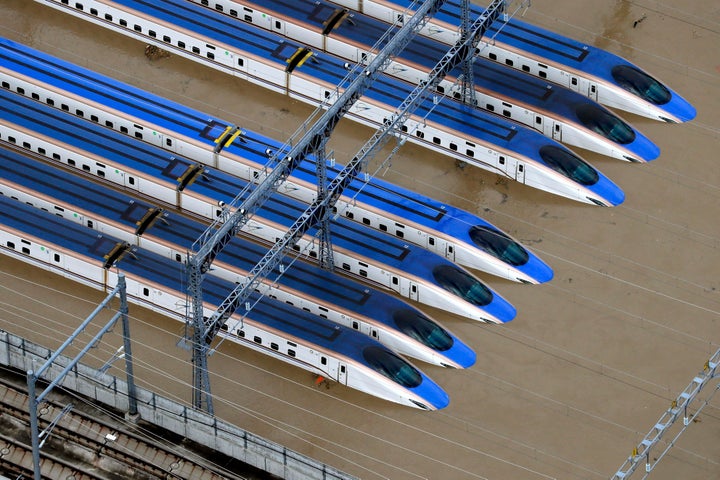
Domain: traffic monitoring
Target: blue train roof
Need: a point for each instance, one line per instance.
(481, 126)
(222, 187)
(241, 253)
(560, 49)
(412, 207)
(170, 274)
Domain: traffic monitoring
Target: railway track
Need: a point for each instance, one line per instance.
(84, 447)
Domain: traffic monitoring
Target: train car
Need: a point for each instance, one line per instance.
(462, 132)
(386, 318)
(591, 71)
(558, 113)
(454, 233)
(365, 254)
(271, 327)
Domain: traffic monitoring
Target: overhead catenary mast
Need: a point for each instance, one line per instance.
(247, 202)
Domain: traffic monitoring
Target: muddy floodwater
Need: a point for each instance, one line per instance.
(593, 359)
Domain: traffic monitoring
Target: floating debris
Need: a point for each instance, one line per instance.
(154, 53)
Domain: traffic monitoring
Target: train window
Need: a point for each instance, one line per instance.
(131, 180)
(507, 113)
(64, 107)
(195, 50)
(323, 360)
(346, 266)
(146, 291)
(64, 2)
(138, 135)
(11, 245)
(453, 147)
(501, 160)
(41, 151)
(296, 248)
(152, 33)
(420, 134)
(363, 273)
(86, 168)
(431, 241)
(12, 139)
(168, 142)
(123, 23)
(492, 56)
(79, 6)
(470, 153)
(26, 145)
(342, 368)
(574, 81)
(137, 28)
(350, 215)
(525, 68)
(274, 346)
(291, 352)
(456, 95)
(278, 24)
(109, 124)
(395, 280)
(93, 11)
(79, 113)
(366, 221)
(204, 3)
(101, 173)
(440, 89)
(538, 119)
(257, 339)
(404, 128)
(178, 257)
(374, 333)
(450, 249)
(90, 224)
(50, 102)
(241, 333)
(241, 62)
(219, 7)
(436, 140)
(166, 38)
(56, 257)
(233, 13)
(211, 55)
(355, 325)
(108, 17)
(248, 18)
(56, 156)
(509, 62)
(5, 85)
(181, 44)
(383, 227)
(490, 108)
(521, 168)
(542, 74)
(94, 118)
(26, 250)
(35, 96)
(399, 233)
(70, 161)
(123, 129)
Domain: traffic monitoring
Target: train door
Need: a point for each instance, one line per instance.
(168, 143)
(342, 373)
(593, 91)
(520, 172)
(414, 294)
(539, 123)
(450, 252)
(557, 132)
(278, 26)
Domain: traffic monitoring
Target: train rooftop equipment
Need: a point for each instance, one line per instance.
(367, 254)
(272, 327)
(558, 113)
(591, 71)
(462, 132)
(449, 231)
(386, 318)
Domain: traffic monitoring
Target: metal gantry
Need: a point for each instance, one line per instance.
(283, 162)
(641, 453)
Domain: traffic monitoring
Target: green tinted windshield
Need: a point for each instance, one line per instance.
(462, 284)
(415, 325)
(499, 245)
(601, 121)
(392, 366)
(567, 163)
(641, 84)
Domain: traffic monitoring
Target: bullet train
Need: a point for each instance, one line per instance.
(367, 255)
(456, 234)
(591, 71)
(462, 132)
(557, 113)
(387, 319)
(271, 327)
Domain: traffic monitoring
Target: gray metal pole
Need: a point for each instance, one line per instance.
(34, 434)
(132, 395)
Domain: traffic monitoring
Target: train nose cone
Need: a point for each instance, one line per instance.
(501, 309)
(644, 149)
(434, 397)
(606, 193)
(681, 109)
(538, 270)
